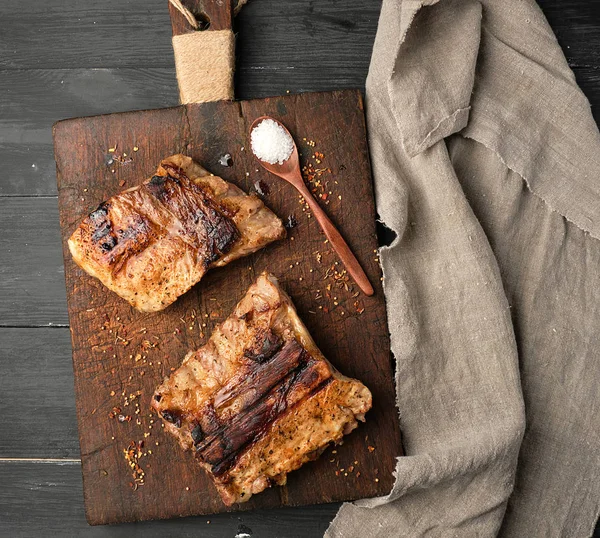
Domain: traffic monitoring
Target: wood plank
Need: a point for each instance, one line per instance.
(40, 499)
(104, 366)
(129, 34)
(39, 401)
(33, 100)
(32, 289)
(72, 34)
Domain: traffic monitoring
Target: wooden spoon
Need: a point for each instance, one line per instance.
(290, 171)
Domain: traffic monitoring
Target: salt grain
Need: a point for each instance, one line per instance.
(271, 142)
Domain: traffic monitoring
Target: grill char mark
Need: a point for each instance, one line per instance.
(259, 379)
(117, 246)
(220, 449)
(220, 468)
(203, 221)
(265, 393)
(102, 228)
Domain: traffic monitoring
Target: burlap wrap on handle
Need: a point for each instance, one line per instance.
(204, 62)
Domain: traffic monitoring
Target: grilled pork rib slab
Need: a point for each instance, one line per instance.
(152, 243)
(259, 399)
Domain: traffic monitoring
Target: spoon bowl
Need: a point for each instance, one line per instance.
(289, 170)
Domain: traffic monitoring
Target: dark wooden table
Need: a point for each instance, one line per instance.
(65, 58)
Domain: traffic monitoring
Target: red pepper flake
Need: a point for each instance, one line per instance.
(121, 183)
(371, 448)
(133, 453)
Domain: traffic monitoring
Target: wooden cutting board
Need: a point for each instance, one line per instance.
(121, 355)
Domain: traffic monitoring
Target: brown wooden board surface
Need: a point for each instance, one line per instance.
(108, 335)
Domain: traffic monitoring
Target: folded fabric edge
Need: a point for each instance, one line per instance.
(539, 124)
(431, 104)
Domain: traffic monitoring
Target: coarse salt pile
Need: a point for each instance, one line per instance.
(271, 143)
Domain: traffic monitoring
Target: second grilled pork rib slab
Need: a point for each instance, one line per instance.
(259, 399)
(152, 243)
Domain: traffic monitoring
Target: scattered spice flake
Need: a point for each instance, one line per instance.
(135, 148)
(359, 307)
(357, 474)
(146, 345)
(133, 453)
(371, 448)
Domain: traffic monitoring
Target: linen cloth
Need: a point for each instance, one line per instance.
(486, 162)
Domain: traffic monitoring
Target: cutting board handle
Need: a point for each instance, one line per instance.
(210, 15)
(204, 48)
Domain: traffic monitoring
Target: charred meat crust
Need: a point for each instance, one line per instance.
(264, 393)
(260, 376)
(203, 221)
(117, 245)
(251, 427)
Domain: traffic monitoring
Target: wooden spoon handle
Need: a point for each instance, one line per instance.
(338, 243)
